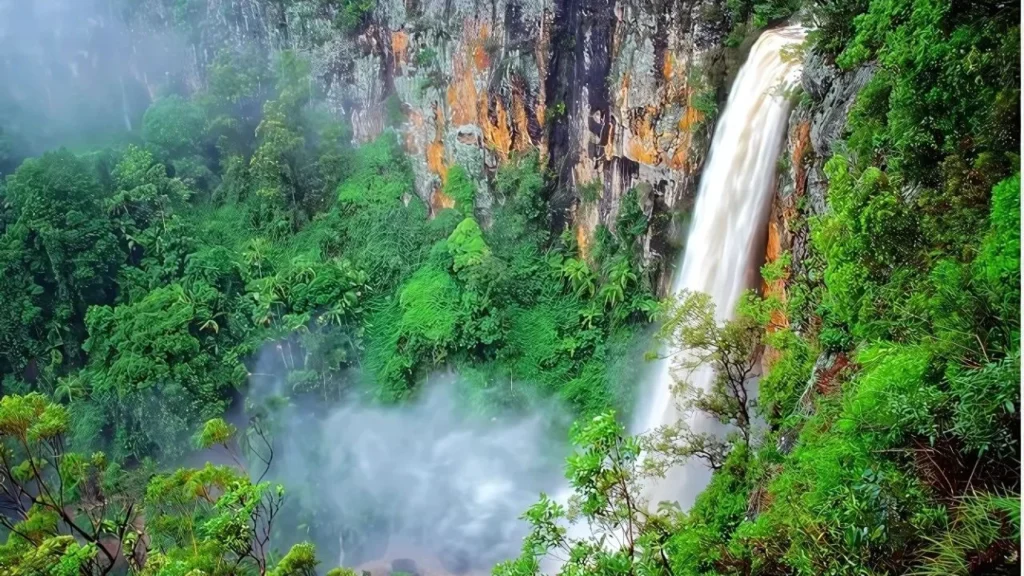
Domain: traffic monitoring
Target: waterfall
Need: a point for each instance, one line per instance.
(124, 107)
(733, 200)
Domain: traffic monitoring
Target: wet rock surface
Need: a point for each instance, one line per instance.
(833, 93)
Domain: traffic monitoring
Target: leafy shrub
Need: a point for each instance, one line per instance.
(631, 222)
(426, 57)
(429, 303)
(466, 245)
(353, 14)
(174, 127)
(460, 188)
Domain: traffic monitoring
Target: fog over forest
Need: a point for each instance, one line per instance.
(73, 72)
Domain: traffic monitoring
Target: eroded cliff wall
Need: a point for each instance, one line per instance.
(614, 94)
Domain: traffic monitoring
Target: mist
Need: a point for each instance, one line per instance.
(77, 72)
(424, 487)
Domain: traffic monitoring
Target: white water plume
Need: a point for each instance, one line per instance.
(425, 488)
(733, 200)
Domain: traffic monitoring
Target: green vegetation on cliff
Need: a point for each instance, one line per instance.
(241, 236)
(147, 286)
(893, 403)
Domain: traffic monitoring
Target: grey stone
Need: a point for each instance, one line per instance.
(830, 116)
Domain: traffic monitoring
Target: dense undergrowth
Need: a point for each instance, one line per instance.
(910, 459)
(145, 280)
(240, 237)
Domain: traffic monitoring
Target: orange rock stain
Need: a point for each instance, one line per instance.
(400, 48)
(521, 132)
(642, 144)
(497, 135)
(775, 288)
(691, 117)
(583, 241)
(439, 201)
(462, 95)
(435, 150)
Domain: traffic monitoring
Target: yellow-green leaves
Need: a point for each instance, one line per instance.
(215, 432)
(299, 561)
(466, 245)
(31, 417)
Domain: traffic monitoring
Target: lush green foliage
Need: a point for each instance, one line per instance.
(893, 400)
(761, 12)
(59, 254)
(68, 513)
(746, 16)
(242, 238)
(497, 297)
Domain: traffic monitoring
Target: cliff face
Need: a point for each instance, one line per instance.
(815, 125)
(609, 92)
(637, 86)
(614, 94)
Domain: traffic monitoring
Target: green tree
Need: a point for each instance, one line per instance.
(175, 130)
(607, 527)
(155, 369)
(460, 188)
(274, 169)
(581, 278)
(66, 512)
(60, 252)
(174, 127)
(143, 194)
(238, 82)
(730, 351)
(351, 15)
(466, 245)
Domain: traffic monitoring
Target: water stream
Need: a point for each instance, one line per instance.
(728, 223)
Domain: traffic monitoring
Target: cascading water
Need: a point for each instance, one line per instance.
(731, 210)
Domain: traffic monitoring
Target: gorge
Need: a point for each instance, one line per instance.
(300, 287)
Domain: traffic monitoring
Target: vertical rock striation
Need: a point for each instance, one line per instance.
(616, 92)
(640, 88)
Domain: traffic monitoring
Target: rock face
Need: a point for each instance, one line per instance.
(833, 94)
(610, 92)
(815, 125)
(636, 88)
(614, 94)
